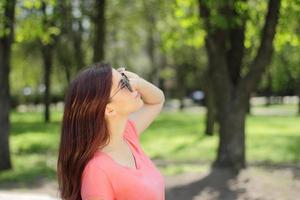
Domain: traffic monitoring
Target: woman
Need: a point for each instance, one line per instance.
(100, 157)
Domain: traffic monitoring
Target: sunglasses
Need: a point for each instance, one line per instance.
(124, 82)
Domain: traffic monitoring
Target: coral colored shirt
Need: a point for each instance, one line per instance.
(105, 179)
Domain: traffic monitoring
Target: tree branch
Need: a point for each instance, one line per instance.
(265, 51)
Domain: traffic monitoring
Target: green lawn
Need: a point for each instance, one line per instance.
(172, 136)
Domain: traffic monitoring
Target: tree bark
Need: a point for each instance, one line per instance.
(98, 20)
(231, 149)
(6, 40)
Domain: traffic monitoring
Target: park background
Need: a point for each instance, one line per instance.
(230, 125)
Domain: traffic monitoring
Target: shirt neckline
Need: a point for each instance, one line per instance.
(137, 165)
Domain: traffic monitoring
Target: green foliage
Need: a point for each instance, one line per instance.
(183, 27)
(4, 23)
(288, 32)
(31, 21)
(285, 70)
(177, 31)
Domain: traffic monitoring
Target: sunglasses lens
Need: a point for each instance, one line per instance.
(126, 82)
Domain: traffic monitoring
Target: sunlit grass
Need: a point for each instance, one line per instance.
(176, 136)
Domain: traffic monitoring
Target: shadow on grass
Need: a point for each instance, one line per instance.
(27, 178)
(216, 184)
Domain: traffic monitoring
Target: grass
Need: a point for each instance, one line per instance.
(172, 136)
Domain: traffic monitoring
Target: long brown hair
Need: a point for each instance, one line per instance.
(84, 128)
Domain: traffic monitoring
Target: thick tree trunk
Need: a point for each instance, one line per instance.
(98, 20)
(231, 149)
(5, 162)
(6, 40)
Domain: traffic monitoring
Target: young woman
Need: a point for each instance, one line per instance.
(100, 157)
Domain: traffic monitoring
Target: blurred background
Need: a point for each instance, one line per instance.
(230, 72)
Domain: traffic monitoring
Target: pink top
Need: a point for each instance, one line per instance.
(105, 179)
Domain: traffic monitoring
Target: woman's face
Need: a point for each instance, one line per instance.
(123, 102)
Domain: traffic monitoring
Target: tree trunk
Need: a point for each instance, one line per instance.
(98, 20)
(181, 89)
(298, 94)
(269, 89)
(154, 74)
(299, 104)
(77, 42)
(47, 51)
(231, 149)
(248, 109)
(47, 55)
(6, 40)
(210, 110)
(151, 42)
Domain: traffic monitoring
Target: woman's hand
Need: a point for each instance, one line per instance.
(134, 79)
(127, 73)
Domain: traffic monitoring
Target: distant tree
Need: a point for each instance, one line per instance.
(48, 41)
(7, 20)
(99, 29)
(69, 48)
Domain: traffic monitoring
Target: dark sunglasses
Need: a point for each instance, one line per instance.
(124, 82)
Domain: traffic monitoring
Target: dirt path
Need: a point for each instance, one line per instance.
(254, 183)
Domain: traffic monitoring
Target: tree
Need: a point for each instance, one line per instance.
(225, 25)
(181, 41)
(47, 50)
(69, 51)
(37, 28)
(286, 70)
(98, 20)
(7, 7)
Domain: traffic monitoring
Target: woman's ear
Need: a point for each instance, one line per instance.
(109, 110)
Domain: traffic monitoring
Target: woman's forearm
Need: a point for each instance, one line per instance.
(149, 92)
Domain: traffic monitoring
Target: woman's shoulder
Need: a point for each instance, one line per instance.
(99, 161)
